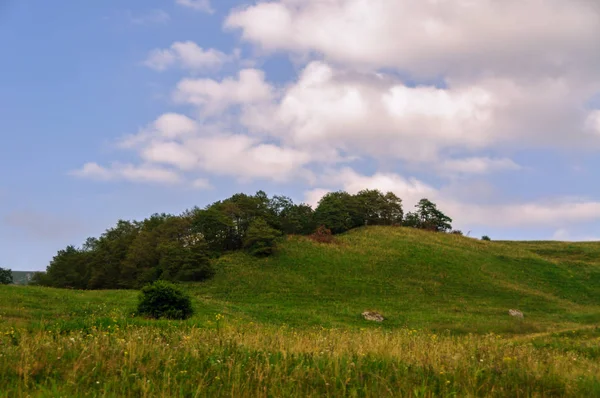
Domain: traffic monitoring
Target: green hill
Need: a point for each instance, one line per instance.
(417, 279)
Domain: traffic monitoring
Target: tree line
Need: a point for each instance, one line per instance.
(180, 247)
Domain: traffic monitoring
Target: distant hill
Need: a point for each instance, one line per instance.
(22, 277)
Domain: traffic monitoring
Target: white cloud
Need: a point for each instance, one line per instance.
(188, 55)
(167, 126)
(375, 114)
(128, 172)
(238, 156)
(178, 141)
(214, 96)
(199, 5)
(431, 37)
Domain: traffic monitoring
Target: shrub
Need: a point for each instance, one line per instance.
(486, 238)
(457, 232)
(163, 299)
(6, 276)
(322, 235)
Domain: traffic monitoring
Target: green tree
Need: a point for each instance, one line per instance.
(392, 212)
(6, 276)
(260, 239)
(290, 218)
(375, 208)
(336, 211)
(70, 268)
(427, 216)
(109, 254)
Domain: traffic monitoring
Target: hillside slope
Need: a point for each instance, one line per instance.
(416, 279)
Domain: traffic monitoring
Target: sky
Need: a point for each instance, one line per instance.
(117, 110)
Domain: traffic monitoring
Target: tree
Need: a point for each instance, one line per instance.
(336, 211)
(6, 276)
(70, 268)
(375, 208)
(110, 253)
(261, 238)
(291, 219)
(427, 216)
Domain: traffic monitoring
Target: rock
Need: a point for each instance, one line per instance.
(515, 313)
(373, 316)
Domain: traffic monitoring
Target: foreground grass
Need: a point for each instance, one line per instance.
(290, 325)
(254, 360)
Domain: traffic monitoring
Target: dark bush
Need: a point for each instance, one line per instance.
(486, 238)
(322, 235)
(163, 299)
(457, 232)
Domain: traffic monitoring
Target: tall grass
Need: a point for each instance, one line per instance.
(255, 360)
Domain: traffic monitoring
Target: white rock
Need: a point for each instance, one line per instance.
(373, 316)
(515, 313)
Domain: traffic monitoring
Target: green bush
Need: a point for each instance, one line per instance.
(163, 299)
(486, 238)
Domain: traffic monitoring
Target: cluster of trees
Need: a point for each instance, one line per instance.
(180, 248)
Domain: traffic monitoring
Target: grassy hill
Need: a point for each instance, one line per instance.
(294, 320)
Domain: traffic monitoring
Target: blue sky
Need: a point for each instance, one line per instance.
(118, 109)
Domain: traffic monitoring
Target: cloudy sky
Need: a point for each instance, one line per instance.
(118, 109)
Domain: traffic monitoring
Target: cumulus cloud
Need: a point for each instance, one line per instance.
(198, 5)
(378, 115)
(187, 55)
(428, 37)
(167, 126)
(213, 96)
(237, 156)
(181, 143)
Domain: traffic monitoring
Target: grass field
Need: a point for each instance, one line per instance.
(290, 325)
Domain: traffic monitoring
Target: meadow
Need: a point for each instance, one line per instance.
(290, 325)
